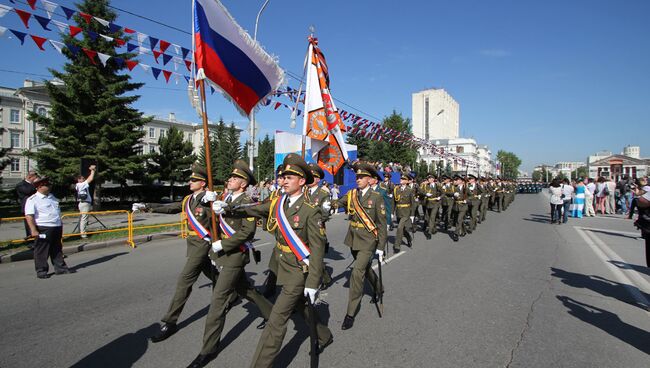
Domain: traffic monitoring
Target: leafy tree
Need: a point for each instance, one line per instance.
(4, 161)
(265, 160)
(448, 168)
(91, 115)
(386, 152)
(174, 160)
(363, 145)
(422, 169)
(433, 168)
(580, 172)
(542, 175)
(509, 164)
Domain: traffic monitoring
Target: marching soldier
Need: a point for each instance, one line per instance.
(404, 200)
(388, 198)
(498, 194)
(388, 186)
(473, 200)
(198, 218)
(271, 278)
(447, 200)
(300, 238)
(432, 196)
(231, 254)
(416, 196)
(366, 237)
(485, 198)
(460, 206)
(320, 198)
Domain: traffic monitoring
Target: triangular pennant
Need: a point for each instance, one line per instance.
(4, 9)
(74, 49)
(188, 64)
(131, 64)
(156, 55)
(155, 72)
(107, 38)
(119, 61)
(20, 35)
(103, 58)
(68, 12)
(87, 17)
(212, 90)
(63, 27)
(185, 52)
(91, 55)
(32, 4)
(129, 30)
(145, 67)
(44, 22)
(113, 28)
(130, 47)
(177, 49)
(164, 45)
(142, 37)
(120, 42)
(50, 7)
(2, 30)
(167, 74)
(24, 16)
(93, 35)
(187, 78)
(39, 41)
(176, 61)
(74, 30)
(143, 50)
(166, 58)
(153, 42)
(57, 45)
(103, 22)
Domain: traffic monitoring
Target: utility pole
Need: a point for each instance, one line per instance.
(251, 148)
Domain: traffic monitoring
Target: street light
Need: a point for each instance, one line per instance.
(251, 147)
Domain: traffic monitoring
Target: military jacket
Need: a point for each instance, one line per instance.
(473, 193)
(388, 187)
(461, 194)
(404, 200)
(233, 253)
(358, 237)
(197, 247)
(448, 191)
(432, 194)
(305, 219)
(317, 199)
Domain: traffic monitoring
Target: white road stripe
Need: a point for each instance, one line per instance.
(603, 252)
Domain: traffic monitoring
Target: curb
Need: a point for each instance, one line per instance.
(71, 249)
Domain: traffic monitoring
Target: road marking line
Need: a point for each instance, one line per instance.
(600, 249)
(389, 259)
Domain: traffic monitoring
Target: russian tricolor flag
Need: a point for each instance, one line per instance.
(229, 58)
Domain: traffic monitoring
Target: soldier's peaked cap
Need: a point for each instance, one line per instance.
(456, 177)
(199, 172)
(240, 169)
(364, 169)
(316, 171)
(296, 165)
(41, 181)
(430, 176)
(471, 176)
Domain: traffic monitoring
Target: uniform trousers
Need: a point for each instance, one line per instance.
(191, 271)
(473, 212)
(461, 211)
(447, 209)
(432, 211)
(230, 280)
(403, 223)
(484, 207)
(48, 244)
(361, 268)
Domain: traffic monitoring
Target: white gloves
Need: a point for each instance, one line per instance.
(214, 263)
(429, 194)
(380, 255)
(306, 260)
(456, 194)
(387, 228)
(412, 218)
(216, 246)
(311, 294)
(218, 206)
(209, 197)
(327, 205)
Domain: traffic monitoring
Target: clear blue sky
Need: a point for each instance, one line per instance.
(549, 80)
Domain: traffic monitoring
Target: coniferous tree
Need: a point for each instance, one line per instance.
(216, 136)
(265, 160)
(174, 160)
(399, 153)
(4, 161)
(91, 115)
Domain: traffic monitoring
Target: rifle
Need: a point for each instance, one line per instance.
(313, 335)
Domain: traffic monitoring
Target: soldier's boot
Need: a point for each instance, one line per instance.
(409, 242)
(348, 322)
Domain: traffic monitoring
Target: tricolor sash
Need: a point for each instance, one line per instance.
(192, 221)
(297, 246)
(228, 231)
(361, 212)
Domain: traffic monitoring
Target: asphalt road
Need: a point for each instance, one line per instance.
(519, 292)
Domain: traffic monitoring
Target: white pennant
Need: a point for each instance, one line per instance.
(145, 67)
(177, 49)
(177, 61)
(57, 45)
(2, 30)
(4, 9)
(49, 7)
(177, 78)
(61, 26)
(102, 21)
(109, 39)
(144, 50)
(103, 58)
(142, 37)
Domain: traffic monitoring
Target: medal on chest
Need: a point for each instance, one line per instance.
(296, 221)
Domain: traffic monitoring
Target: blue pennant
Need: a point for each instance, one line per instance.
(187, 78)
(166, 58)
(114, 27)
(43, 21)
(119, 61)
(211, 90)
(68, 12)
(130, 47)
(93, 35)
(155, 71)
(152, 42)
(20, 35)
(74, 49)
(185, 52)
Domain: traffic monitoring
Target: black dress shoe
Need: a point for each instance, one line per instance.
(427, 235)
(328, 343)
(348, 322)
(454, 237)
(202, 360)
(166, 330)
(65, 271)
(409, 243)
(262, 324)
(43, 276)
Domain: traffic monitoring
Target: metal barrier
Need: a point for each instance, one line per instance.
(128, 228)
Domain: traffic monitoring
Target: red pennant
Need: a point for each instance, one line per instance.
(74, 31)
(277, 104)
(188, 64)
(131, 64)
(91, 55)
(32, 4)
(164, 45)
(120, 42)
(128, 30)
(39, 41)
(156, 55)
(167, 74)
(24, 16)
(86, 17)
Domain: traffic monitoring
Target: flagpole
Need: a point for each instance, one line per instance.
(306, 113)
(208, 157)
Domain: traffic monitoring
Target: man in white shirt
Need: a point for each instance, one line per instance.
(567, 192)
(590, 191)
(85, 199)
(610, 201)
(44, 219)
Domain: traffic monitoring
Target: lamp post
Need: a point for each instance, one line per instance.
(251, 147)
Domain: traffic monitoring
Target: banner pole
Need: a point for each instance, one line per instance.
(208, 157)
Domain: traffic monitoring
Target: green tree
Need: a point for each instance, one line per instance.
(542, 175)
(363, 145)
(217, 135)
(92, 115)
(265, 160)
(422, 169)
(386, 152)
(224, 150)
(174, 161)
(433, 168)
(4, 161)
(448, 168)
(509, 164)
(580, 172)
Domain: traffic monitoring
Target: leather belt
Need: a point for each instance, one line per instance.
(403, 205)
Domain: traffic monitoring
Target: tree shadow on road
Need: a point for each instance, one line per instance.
(613, 233)
(97, 261)
(629, 266)
(608, 322)
(600, 285)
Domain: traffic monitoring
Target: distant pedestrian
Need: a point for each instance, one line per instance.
(44, 218)
(85, 199)
(578, 200)
(643, 222)
(567, 194)
(601, 195)
(24, 190)
(556, 201)
(590, 190)
(610, 201)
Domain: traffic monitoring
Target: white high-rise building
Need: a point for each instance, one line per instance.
(435, 115)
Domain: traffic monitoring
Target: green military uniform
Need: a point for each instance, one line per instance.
(473, 201)
(293, 274)
(485, 199)
(460, 207)
(320, 198)
(404, 200)
(231, 259)
(447, 202)
(271, 279)
(498, 195)
(365, 235)
(416, 197)
(432, 198)
(388, 187)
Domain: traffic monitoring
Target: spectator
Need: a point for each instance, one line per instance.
(640, 183)
(556, 201)
(578, 200)
(24, 190)
(567, 193)
(335, 196)
(85, 199)
(265, 192)
(610, 201)
(590, 191)
(623, 188)
(643, 222)
(601, 195)
(44, 219)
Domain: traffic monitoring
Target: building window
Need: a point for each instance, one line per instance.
(41, 111)
(15, 140)
(39, 137)
(152, 149)
(162, 133)
(137, 150)
(152, 133)
(14, 116)
(190, 137)
(460, 149)
(15, 164)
